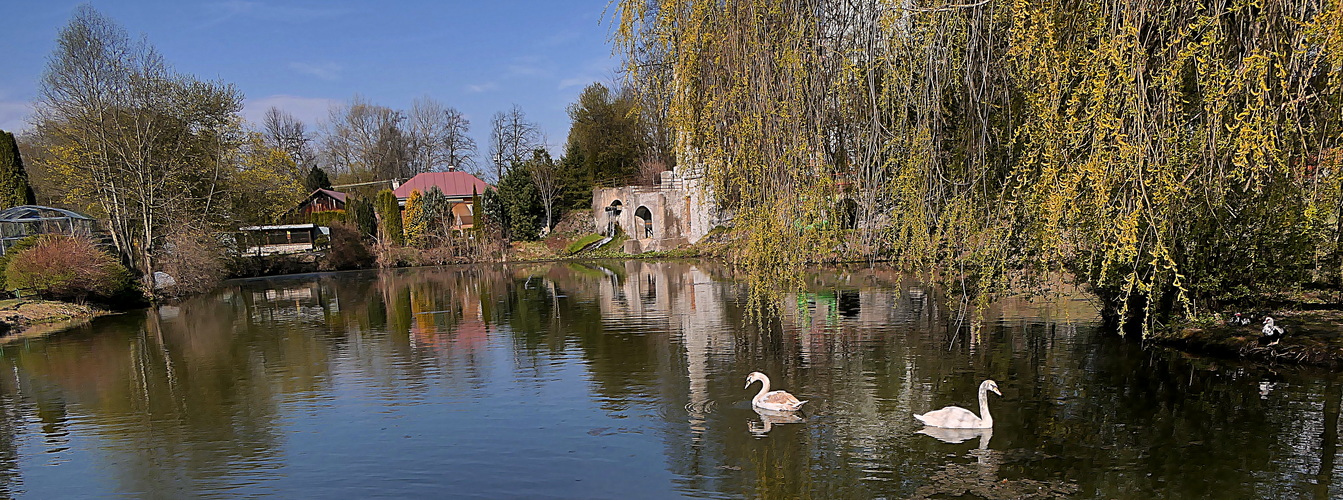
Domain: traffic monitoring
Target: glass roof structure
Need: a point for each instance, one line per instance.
(17, 223)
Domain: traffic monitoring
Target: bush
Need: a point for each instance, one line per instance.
(328, 217)
(347, 250)
(195, 260)
(18, 248)
(66, 268)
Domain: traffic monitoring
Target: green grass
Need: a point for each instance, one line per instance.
(578, 244)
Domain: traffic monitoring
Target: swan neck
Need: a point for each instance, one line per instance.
(984, 406)
(764, 387)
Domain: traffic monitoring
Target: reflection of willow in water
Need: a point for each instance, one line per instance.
(184, 399)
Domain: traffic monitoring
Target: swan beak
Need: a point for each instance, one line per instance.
(995, 390)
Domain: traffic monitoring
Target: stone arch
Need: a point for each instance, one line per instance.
(646, 217)
(613, 217)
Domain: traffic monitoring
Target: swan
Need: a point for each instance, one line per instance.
(1272, 333)
(955, 417)
(767, 400)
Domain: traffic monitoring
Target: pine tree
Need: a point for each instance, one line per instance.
(317, 179)
(14, 188)
(390, 214)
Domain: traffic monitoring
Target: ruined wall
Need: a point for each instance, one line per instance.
(680, 210)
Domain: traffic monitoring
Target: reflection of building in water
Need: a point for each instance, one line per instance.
(679, 298)
(305, 301)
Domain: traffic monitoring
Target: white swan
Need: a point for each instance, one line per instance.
(955, 417)
(767, 400)
(1272, 333)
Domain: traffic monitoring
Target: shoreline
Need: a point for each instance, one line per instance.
(1312, 338)
(25, 318)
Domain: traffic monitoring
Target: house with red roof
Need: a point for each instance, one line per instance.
(322, 200)
(458, 186)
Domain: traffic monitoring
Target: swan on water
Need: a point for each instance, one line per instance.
(1272, 333)
(771, 400)
(955, 417)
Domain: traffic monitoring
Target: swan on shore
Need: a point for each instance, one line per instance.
(771, 400)
(955, 417)
(1272, 333)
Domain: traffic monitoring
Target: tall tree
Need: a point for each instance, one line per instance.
(1169, 153)
(363, 138)
(607, 136)
(546, 181)
(438, 137)
(316, 179)
(458, 146)
(520, 204)
(389, 216)
(512, 138)
(14, 188)
(286, 133)
(135, 143)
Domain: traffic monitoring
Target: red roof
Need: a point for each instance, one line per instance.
(453, 184)
(334, 194)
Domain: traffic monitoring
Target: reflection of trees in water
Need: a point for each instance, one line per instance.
(182, 397)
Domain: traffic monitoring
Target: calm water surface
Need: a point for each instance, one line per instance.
(624, 380)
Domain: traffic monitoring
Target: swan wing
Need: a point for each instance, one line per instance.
(778, 400)
(952, 417)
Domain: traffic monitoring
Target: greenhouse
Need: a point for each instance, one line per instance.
(17, 223)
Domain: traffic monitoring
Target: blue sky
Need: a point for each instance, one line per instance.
(303, 56)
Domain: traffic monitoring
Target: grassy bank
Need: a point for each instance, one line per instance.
(1312, 338)
(21, 317)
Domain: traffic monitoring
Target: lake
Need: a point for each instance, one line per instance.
(625, 380)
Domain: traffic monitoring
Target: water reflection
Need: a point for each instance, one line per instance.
(601, 379)
(770, 418)
(958, 436)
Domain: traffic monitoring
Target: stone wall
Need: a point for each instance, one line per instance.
(675, 213)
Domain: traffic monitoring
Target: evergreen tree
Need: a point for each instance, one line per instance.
(493, 215)
(14, 188)
(411, 217)
(390, 214)
(360, 213)
(317, 179)
(521, 203)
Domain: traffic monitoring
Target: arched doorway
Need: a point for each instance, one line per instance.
(646, 217)
(613, 217)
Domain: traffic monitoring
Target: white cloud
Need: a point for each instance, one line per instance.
(482, 87)
(309, 110)
(325, 71)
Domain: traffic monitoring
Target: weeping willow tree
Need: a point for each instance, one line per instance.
(1176, 156)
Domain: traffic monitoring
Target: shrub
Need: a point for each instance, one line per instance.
(195, 260)
(67, 268)
(328, 217)
(347, 250)
(16, 249)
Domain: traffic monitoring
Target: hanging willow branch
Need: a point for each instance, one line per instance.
(1167, 153)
